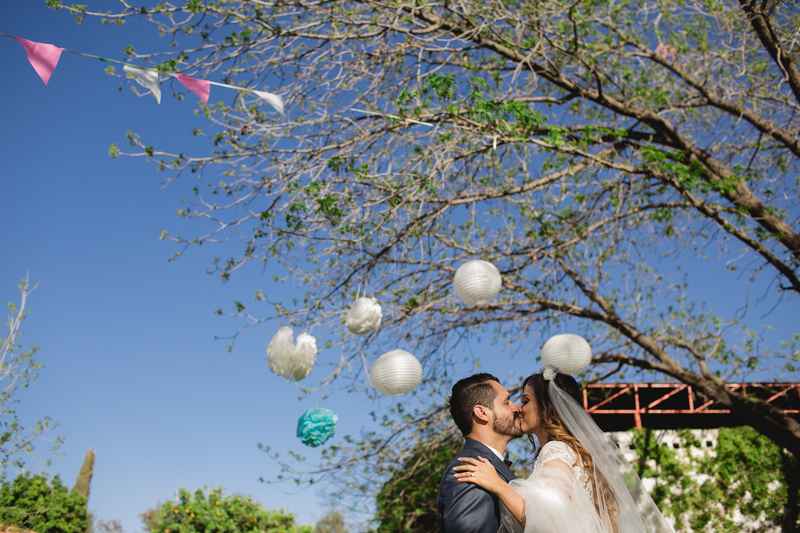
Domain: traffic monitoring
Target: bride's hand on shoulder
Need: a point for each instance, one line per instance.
(480, 472)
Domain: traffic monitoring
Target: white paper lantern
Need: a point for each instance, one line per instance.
(395, 373)
(477, 281)
(290, 361)
(570, 353)
(364, 316)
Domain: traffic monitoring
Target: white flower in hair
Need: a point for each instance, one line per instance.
(549, 372)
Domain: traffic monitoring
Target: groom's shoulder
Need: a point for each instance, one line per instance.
(450, 489)
(465, 507)
(472, 448)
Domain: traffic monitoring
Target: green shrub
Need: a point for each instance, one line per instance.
(31, 502)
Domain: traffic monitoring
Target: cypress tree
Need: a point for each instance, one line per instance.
(85, 475)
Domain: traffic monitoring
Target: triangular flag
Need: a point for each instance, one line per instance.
(43, 57)
(147, 78)
(201, 88)
(273, 99)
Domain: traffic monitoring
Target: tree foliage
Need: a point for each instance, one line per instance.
(406, 502)
(83, 483)
(332, 522)
(18, 370)
(746, 476)
(217, 512)
(36, 504)
(598, 153)
(107, 526)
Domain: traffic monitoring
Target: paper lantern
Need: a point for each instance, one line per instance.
(290, 361)
(395, 373)
(570, 353)
(477, 281)
(364, 316)
(316, 426)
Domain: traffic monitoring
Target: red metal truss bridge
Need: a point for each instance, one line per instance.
(622, 406)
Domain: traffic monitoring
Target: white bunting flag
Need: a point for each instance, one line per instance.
(147, 78)
(272, 99)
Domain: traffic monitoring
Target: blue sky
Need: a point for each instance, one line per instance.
(132, 367)
(127, 338)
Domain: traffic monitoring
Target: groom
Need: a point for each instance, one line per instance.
(483, 411)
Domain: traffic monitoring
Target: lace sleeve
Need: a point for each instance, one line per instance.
(555, 501)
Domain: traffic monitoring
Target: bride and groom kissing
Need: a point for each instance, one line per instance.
(579, 481)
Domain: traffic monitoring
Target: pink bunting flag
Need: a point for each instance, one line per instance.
(201, 88)
(43, 57)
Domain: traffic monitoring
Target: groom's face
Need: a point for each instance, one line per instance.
(505, 413)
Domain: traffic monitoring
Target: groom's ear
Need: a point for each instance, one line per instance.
(481, 413)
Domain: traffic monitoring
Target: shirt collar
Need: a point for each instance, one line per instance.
(498, 454)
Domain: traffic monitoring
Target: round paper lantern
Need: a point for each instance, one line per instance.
(316, 426)
(290, 361)
(364, 316)
(395, 373)
(477, 281)
(570, 353)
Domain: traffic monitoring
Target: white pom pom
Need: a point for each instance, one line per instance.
(305, 355)
(279, 351)
(364, 316)
(477, 281)
(290, 361)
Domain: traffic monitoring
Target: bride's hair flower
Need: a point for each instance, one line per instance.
(549, 372)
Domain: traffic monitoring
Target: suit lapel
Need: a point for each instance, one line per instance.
(502, 469)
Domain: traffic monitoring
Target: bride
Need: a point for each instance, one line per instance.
(580, 481)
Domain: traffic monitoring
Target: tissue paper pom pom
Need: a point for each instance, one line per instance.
(477, 281)
(290, 361)
(316, 426)
(364, 316)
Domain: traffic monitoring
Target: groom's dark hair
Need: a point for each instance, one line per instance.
(467, 393)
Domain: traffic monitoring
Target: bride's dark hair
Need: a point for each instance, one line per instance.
(555, 429)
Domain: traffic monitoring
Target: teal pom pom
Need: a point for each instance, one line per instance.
(316, 426)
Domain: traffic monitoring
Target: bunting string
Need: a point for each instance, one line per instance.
(44, 58)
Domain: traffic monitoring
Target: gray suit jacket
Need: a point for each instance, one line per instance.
(465, 507)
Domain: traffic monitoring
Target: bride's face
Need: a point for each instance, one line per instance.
(528, 412)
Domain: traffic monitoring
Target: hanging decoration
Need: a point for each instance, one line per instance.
(364, 316)
(570, 353)
(477, 281)
(272, 99)
(201, 88)
(316, 426)
(147, 78)
(44, 57)
(396, 372)
(290, 361)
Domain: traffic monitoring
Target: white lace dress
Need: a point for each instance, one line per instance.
(558, 496)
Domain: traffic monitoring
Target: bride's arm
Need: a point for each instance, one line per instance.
(481, 472)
